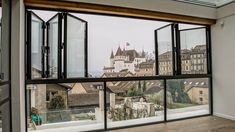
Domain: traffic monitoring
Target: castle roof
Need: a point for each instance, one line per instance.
(119, 52)
(112, 55)
(132, 54)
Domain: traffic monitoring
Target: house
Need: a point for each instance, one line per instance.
(145, 68)
(199, 94)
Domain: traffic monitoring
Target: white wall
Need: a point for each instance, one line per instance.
(168, 6)
(17, 66)
(223, 53)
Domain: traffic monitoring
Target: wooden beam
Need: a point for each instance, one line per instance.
(114, 10)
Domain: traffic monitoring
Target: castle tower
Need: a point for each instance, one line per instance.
(119, 52)
(111, 59)
(143, 54)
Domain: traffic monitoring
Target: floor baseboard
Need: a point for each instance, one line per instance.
(225, 116)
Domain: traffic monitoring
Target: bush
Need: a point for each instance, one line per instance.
(57, 103)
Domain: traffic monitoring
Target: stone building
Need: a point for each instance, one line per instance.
(197, 90)
(198, 94)
(185, 61)
(165, 63)
(192, 61)
(40, 96)
(198, 59)
(146, 68)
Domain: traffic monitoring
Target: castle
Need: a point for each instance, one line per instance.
(129, 61)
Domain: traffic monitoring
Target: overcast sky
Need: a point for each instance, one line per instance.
(106, 33)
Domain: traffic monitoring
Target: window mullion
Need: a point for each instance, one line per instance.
(86, 50)
(43, 51)
(28, 44)
(60, 46)
(156, 54)
(47, 51)
(178, 50)
(208, 53)
(173, 49)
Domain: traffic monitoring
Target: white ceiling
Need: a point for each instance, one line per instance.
(210, 3)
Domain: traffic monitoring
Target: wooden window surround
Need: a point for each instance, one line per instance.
(114, 10)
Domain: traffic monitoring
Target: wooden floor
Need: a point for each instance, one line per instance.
(202, 124)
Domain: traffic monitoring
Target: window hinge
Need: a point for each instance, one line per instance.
(47, 73)
(45, 49)
(48, 25)
(63, 75)
(1, 76)
(44, 25)
(62, 15)
(62, 45)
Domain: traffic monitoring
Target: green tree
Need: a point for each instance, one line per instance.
(139, 90)
(132, 91)
(144, 86)
(178, 94)
(57, 103)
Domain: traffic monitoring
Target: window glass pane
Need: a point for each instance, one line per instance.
(69, 107)
(189, 26)
(4, 109)
(134, 102)
(190, 97)
(5, 117)
(1, 120)
(1, 48)
(76, 36)
(4, 42)
(53, 44)
(4, 92)
(193, 51)
(36, 45)
(165, 56)
(120, 47)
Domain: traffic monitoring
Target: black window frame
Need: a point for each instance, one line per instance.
(208, 51)
(29, 15)
(62, 46)
(172, 25)
(49, 46)
(177, 73)
(66, 14)
(176, 49)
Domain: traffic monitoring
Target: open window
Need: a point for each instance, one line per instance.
(182, 49)
(193, 47)
(52, 49)
(165, 55)
(75, 47)
(35, 43)
(48, 44)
